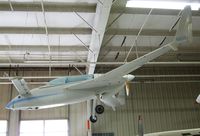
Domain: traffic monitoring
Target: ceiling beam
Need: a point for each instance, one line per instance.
(145, 32)
(43, 48)
(126, 48)
(100, 22)
(145, 11)
(68, 56)
(67, 59)
(82, 7)
(78, 48)
(86, 31)
(48, 7)
(66, 64)
(41, 30)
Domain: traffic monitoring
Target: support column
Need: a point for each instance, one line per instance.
(78, 119)
(14, 116)
(89, 129)
(13, 123)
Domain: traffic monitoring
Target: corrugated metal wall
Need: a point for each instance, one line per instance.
(78, 119)
(163, 106)
(5, 96)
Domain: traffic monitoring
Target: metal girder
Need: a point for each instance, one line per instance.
(81, 7)
(100, 22)
(48, 6)
(86, 31)
(145, 32)
(41, 30)
(77, 48)
(71, 58)
(143, 48)
(41, 48)
(168, 57)
(66, 64)
(146, 11)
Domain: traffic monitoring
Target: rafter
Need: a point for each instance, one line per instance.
(146, 11)
(54, 48)
(86, 31)
(48, 6)
(145, 32)
(100, 22)
(66, 64)
(41, 30)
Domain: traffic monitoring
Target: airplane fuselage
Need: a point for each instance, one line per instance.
(58, 95)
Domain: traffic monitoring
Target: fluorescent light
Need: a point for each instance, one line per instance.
(161, 4)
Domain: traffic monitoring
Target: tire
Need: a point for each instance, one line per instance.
(93, 120)
(99, 109)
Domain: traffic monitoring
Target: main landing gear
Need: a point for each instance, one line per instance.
(93, 119)
(99, 109)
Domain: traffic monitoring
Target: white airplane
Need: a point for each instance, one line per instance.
(108, 88)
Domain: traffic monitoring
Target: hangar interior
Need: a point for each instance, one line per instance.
(44, 39)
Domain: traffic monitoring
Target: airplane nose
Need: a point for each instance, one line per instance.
(10, 105)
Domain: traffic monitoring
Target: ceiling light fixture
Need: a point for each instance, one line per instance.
(161, 4)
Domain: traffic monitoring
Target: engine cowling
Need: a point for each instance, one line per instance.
(114, 99)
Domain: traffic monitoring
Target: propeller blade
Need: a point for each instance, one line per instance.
(127, 88)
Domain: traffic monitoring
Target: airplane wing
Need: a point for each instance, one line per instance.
(183, 35)
(21, 86)
(119, 72)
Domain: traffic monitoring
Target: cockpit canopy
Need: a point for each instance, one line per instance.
(70, 79)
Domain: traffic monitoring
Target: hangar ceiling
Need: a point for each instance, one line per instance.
(56, 33)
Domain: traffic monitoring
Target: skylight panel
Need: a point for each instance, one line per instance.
(162, 4)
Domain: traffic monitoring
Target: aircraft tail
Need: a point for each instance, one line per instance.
(21, 86)
(184, 31)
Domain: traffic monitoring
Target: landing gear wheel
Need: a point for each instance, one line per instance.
(99, 109)
(93, 119)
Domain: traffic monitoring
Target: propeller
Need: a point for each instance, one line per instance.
(128, 78)
(127, 85)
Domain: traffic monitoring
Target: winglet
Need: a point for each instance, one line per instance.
(184, 31)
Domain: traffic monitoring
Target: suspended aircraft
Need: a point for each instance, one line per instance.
(109, 88)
